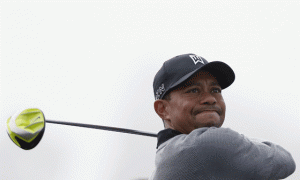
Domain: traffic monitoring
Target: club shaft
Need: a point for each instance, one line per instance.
(123, 130)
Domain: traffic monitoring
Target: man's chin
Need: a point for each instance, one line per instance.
(211, 125)
(216, 123)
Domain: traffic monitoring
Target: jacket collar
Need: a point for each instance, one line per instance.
(165, 135)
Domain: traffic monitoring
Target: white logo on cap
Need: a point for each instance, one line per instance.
(159, 91)
(196, 59)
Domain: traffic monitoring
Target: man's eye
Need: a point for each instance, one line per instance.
(216, 90)
(195, 90)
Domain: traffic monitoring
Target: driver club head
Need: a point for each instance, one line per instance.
(26, 128)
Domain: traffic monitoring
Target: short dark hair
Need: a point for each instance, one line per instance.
(167, 96)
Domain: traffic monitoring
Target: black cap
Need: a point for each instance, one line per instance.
(180, 68)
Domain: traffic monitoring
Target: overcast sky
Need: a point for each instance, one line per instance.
(94, 62)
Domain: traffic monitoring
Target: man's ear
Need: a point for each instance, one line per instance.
(160, 107)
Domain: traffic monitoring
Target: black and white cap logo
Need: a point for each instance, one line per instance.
(197, 59)
(159, 91)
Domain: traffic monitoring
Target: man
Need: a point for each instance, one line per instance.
(193, 145)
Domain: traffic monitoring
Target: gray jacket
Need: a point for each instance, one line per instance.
(218, 153)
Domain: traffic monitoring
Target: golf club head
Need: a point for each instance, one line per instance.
(26, 128)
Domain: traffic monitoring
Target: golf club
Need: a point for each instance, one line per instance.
(26, 128)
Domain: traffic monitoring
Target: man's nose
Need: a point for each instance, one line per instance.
(208, 99)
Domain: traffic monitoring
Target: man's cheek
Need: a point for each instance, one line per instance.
(223, 107)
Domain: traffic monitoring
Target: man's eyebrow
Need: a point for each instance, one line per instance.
(189, 84)
(214, 83)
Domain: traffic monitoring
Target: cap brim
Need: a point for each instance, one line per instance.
(220, 70)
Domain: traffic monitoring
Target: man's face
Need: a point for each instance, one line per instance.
(199, 103)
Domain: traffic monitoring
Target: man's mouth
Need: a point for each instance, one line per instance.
(208, 111)
(217, 110)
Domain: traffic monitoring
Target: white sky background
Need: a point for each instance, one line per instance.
(94, 62)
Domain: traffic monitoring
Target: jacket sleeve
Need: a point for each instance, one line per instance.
(259, 159)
